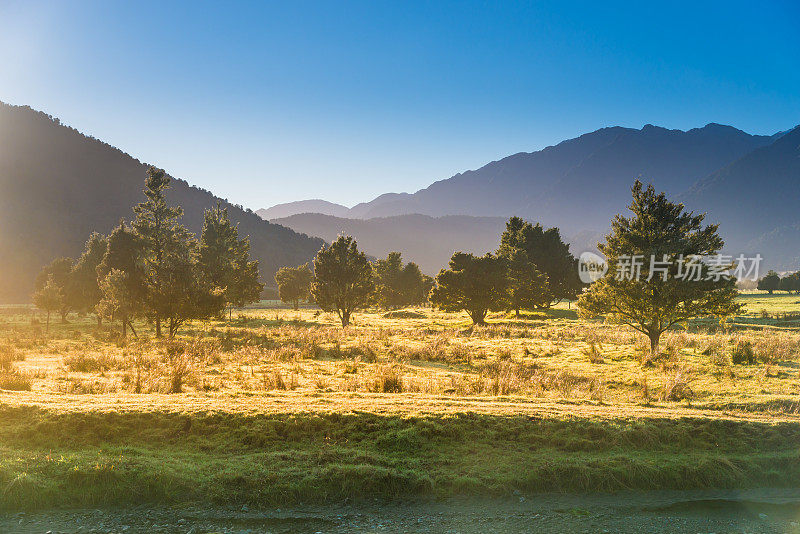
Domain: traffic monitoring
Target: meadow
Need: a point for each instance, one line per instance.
(277, 406)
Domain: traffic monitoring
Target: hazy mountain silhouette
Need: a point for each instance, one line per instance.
(303, 206)
(426, 240)
(58, 185)
(748, 183)
(578, 183)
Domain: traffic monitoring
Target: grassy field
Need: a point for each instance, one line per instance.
(282, 406)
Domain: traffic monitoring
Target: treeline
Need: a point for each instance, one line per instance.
(154, 268)
(775, 282)
(532, 269)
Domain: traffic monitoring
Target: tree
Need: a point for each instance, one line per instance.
(158, 227)
(85, 285)
(550, 255)
(771, 282)
(790, 283)
(59, 271)
(527, 286)
(388, 288)
(48, 297)
(342, 279)
(414, 285)
(294, 284)
(671, 285)
(117, 299)
(473, 284)
(224, 260)
(124, 295)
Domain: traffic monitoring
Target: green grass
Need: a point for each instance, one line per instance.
(94, 459)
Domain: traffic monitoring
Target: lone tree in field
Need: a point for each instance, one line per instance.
(655, 279)
(294, 284)
(548, 253)
(224, 260)
(48, 298)
(473, 284)
(771, 282)
(342, 279)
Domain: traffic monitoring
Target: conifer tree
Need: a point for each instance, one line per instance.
(224, 260)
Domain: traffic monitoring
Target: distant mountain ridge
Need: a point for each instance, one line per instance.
(58, 185)
(303, 206)
(580, 184)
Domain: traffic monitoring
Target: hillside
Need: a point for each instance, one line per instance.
(753, 199)
(58, 185)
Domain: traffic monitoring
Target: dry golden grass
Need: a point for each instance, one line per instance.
(545, 358)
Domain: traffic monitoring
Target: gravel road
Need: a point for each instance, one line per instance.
(768, 511)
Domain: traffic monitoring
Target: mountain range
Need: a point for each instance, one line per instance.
(580, 184)
(58, 185)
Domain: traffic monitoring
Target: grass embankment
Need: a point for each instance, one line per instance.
(90, 459)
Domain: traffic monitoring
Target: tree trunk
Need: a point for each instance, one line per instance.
(296, 304)
(130, 323)
(158, 326)
(345, 316)
(99, 321)
(516, 312)
(654, 337)
(64, 317)
(478, 317)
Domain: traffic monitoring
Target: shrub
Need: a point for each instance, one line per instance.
(14, 381)
(743, 354)
(8, 355)
(388, 379)
(678, 386)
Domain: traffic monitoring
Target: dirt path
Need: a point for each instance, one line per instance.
(767, 511)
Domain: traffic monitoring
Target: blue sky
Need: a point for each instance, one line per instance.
(271, 102)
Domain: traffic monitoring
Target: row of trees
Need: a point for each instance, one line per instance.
(155, 268)
(533, 268)
(775, 282)
(343, 274)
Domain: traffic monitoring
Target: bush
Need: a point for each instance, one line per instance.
(13, 381)
(388, 379)
(743, 354)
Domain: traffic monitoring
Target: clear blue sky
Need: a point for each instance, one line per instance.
(271, 102)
